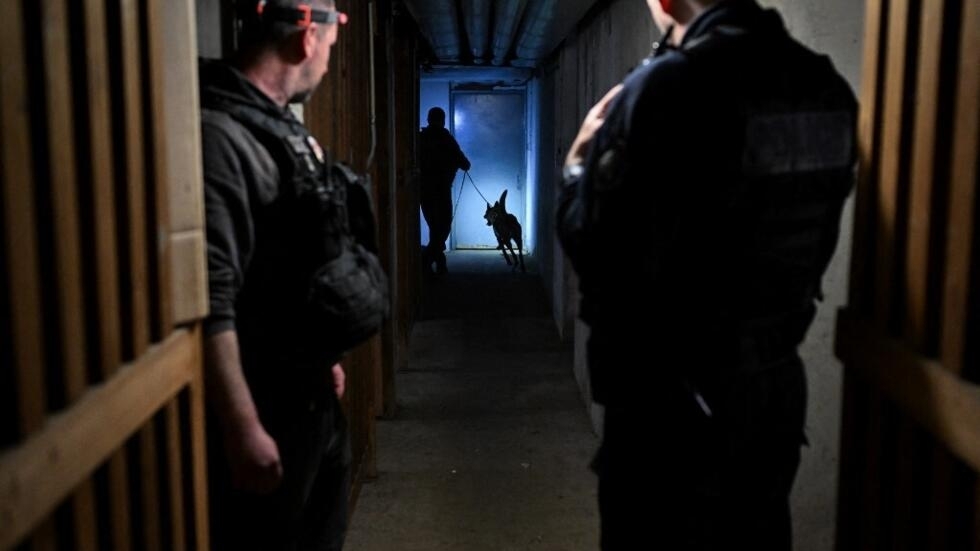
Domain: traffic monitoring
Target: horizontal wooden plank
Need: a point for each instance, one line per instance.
(36, 476)
(189, 276)
(943, 403)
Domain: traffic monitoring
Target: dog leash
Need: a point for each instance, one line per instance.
(462, 184)
(467, 175)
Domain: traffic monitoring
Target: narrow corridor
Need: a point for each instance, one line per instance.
(490, 445)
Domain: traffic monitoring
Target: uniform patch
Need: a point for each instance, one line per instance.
(798, 142)
(298, 145)
(317, 150)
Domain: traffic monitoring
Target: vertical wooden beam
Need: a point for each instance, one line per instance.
(198, 445)
(885, 214)
(17, 181)
(156, 42)
(45, 538)
(891, 158)
(920, 262)
(64, 194)
(17, 188)
(150, 487)
(976, 518)
(135, 174)
(963, 193)
(184, 183)
(920, 258)
(136, 205)
(175, 477)
(68, 257)
(962, 220)
(104, 220)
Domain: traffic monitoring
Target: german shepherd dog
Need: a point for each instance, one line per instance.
(506, 228)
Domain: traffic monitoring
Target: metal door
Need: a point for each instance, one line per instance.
(490, 128)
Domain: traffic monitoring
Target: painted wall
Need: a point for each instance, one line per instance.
(587, 65)
(594, 60)
(209, 28)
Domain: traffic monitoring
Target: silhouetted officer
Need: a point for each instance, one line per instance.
(439, 159)
(703, 198)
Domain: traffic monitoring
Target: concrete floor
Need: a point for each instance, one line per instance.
(490, 446)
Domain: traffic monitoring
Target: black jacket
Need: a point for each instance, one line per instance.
(710, 203)
(439, 159)
(262, 253)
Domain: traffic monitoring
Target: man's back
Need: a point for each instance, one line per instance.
(736, 152)
(439, 156)
(716, 178)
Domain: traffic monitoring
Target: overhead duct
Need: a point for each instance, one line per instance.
(536, 31)
(439, 23)
(545, 27)
(476, 19)
(506, 19)
(492, 26)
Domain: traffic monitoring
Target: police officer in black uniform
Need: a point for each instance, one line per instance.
(703, 197)
(279, 456)
(439, 158)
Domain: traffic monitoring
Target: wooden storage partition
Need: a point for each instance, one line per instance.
(911, 436)
(103, 286)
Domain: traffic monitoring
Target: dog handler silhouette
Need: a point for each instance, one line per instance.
(439, 159)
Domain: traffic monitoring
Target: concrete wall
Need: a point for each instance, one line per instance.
(596, 59)
(589, 64)
(209, 27)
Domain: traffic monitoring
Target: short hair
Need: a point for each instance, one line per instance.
(436, 114)
(256, 32)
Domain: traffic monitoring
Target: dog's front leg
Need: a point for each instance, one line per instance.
(502, 245)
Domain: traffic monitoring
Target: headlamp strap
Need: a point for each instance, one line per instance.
(301, 15)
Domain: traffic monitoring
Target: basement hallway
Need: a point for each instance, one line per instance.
(490, 444)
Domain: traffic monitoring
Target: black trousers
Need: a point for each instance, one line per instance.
(309, 511)
(709, 482)
(437, 209)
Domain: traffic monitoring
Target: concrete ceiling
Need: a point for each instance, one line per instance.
(518, 33)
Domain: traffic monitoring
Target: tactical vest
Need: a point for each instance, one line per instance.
(341, 288)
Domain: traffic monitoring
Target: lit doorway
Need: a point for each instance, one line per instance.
(491, 130)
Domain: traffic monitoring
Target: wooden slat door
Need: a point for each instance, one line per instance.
(102, 277)
(910, 336)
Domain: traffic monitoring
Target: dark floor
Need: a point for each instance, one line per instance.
(490, 446)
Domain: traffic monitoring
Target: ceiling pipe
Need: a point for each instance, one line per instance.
(476, 19)
(536, 32)
(439, 23)
(506, 18)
